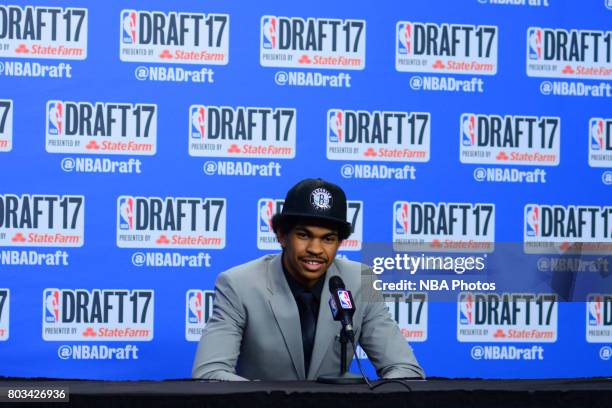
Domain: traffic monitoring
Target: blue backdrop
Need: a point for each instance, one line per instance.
(145, 145)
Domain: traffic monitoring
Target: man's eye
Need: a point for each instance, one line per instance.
(301, 234)
(331, 239)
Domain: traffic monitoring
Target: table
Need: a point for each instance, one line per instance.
(438, 393)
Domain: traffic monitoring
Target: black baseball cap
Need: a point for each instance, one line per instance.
(317, 199)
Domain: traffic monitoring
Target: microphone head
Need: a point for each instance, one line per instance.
(335, 283)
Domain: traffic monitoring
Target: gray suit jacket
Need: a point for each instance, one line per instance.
(254, 331)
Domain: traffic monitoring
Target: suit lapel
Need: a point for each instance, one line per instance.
(327, 328)
(286, 314)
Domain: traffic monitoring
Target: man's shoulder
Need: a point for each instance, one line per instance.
(248, 270)
(344, 264)
(350, 270)
(357, 277)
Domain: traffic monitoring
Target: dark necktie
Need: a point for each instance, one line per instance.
(308, 321)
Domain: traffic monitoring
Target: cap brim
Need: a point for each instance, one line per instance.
(343, 224)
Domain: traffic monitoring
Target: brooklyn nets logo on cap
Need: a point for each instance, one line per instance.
(321, 199)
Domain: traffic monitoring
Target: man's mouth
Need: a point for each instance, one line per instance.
(313, 264)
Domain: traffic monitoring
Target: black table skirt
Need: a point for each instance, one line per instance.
(438, 393)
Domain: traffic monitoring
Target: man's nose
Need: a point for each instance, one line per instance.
(314, 246)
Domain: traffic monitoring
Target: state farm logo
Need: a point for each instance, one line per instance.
(559, 229)
(43, 32)
(410, 312)
(511, 139)
(600, 142)
(42, 220)
(378, 136)
(223, 131)
(266, 238)
(198, 309)
(4, 314)
(174, 37)
(507, 318)
(97, 315)
(101, 128)
(294, 42)
(443, 226)
(446, 48)
(559, 53)
(171, 222)
(599, 318)
(6, 125)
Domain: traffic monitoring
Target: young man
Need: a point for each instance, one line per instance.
(271, 319)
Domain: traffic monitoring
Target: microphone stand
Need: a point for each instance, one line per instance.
(345, 377)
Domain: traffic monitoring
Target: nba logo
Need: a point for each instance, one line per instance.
(128, 27)
(55, 118)
(595, 306)
(404, 39)
(532, 221)
(198, 124)
(269, 37)
(345, 299)
(266, 210)
(194, 307)
(126, 213)
(466, 309)
(534, 43)
(468, 126)
(52, 306)
(401, 218)
(596, 129)
(335, 126)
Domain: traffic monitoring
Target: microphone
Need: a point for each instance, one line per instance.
(342, 305)
(342, 308)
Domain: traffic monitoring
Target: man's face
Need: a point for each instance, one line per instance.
(309, 251)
